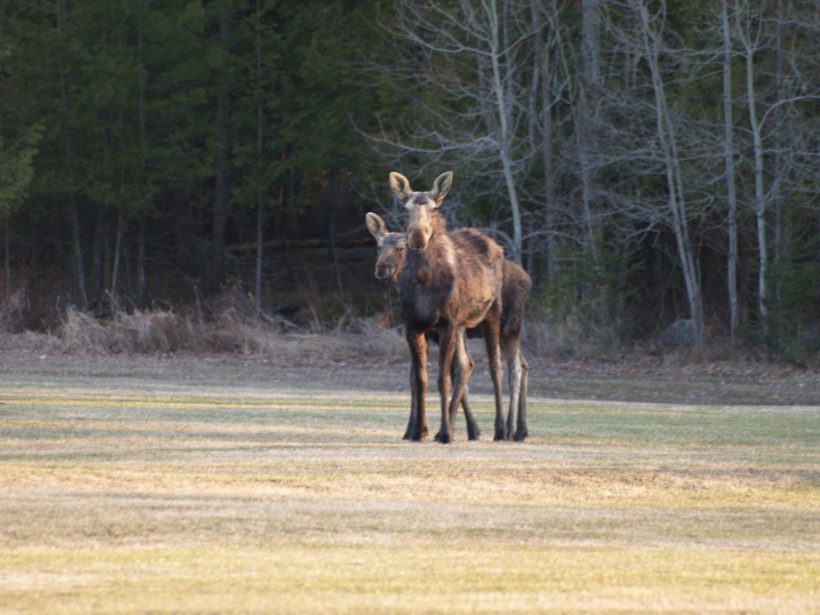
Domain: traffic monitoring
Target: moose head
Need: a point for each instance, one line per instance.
(390, 248)
(421, 207)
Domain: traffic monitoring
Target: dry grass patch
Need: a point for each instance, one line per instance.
(229, 325)
(296, 578)
(162, 495)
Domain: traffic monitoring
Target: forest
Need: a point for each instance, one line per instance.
(652, 164)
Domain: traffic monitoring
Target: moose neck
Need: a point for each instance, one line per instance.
(438, 227)
(437, 260)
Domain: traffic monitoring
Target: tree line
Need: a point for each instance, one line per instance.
(646, 161)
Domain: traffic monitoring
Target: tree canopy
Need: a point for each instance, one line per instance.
(646, 161)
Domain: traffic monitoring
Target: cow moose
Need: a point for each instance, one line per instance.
(448, 282)
(515, 293)
(390, 248)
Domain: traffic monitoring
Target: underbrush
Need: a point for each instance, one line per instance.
(161, 331)
(226, 324)
(571, 337)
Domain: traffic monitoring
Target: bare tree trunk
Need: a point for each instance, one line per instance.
(676, 199)
(505, 137)
(96, 282)
(533, 118)
(105, 274)
(728, 154)
(78, 253)
(543, 57)
(127, 266)
(260, 136)
(333, 253)
(115, 268)
(760, 199)
(781, 230)
(113, 299)
(7, 257)
(260, 238)
(587, 120)
(221, 193)
(141, 279)
(76, 239)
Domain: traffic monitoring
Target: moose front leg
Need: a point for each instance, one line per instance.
(413, 419)
(447, 345)
(417, 425)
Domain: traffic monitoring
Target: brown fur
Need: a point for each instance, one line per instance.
(448, 282)
(389, 260)
(516, 287)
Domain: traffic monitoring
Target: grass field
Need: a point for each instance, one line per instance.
(190, 485)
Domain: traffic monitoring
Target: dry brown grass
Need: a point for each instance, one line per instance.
(12, 311)
(182, 486)
(233, 332)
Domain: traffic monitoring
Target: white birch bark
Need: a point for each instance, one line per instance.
(728, 154)
(676, 196)
(749, 44)
(503, 113)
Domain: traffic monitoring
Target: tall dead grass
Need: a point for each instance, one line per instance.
(12, 311)
(226, 324)
(568, 337)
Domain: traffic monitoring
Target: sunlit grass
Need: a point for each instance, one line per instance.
(445, 578)
(245, 499)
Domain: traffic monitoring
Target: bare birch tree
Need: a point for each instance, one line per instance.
(758, 33)
(586, 125)
(729, 153)
(76, 239)
(749, 33)
(651, 29)
(481, 68)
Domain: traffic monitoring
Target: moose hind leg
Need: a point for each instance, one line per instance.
(512, 351)
(463, 366)
(491, 341)
(522, 431)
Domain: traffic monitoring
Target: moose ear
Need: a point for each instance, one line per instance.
(441, 186)
(376, 225)
(400, 186)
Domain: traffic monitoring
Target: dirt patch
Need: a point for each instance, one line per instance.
(644, 380)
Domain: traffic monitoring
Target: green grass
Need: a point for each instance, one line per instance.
(164, 492)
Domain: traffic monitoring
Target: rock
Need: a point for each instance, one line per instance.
(679, 333)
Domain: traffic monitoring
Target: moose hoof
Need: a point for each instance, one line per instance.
(520, 435)
(443, 437)
(501, 434)
(414, 435)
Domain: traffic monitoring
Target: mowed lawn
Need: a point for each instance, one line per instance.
(162, 491)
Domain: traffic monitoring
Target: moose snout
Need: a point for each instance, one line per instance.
(383, 271)
(418, 241)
